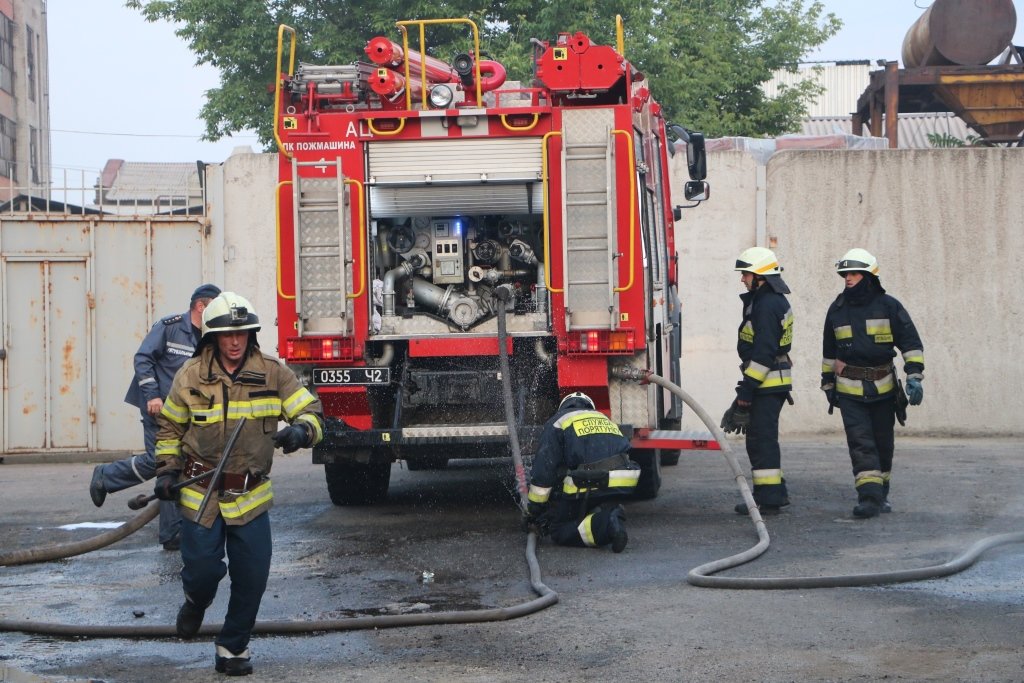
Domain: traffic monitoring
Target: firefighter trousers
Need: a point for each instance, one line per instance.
(579, 523)
(763, 449)
(138, 469)
(871, 440)
(248, 549)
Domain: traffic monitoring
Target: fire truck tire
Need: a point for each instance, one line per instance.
(670, 457)
(650, 473)
(356, 483)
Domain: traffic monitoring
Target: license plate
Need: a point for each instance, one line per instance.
(340, 376)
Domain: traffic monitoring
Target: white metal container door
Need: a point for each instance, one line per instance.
(46, 337)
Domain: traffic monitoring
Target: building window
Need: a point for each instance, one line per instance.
(33, 152)
(30, 61)
(6, 53)
(7, 147)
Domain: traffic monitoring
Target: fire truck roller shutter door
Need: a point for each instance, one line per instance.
(446, 177)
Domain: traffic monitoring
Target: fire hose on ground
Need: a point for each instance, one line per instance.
(702, 576)
(546, 596)
(699, 576)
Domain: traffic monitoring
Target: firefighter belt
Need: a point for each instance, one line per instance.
(867, 373)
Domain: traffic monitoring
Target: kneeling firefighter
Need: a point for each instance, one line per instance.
(228, 381)
(582, 464)
(765, 340)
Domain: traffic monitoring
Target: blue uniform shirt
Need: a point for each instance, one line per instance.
(170, 343)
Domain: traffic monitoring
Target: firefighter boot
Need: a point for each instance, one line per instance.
(741, 508)
(885, 498)
(190, 618)
(867, 507)
(227, 662)
(97, 491)
(617, 526)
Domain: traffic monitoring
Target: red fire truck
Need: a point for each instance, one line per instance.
(411, 189)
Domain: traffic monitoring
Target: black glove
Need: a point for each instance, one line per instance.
(736, 419)
(830, 395)
(291, 439)
(165, 481)
(535, 518)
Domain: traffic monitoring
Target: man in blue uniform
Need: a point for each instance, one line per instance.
(863, 327)
(765, 340)
(171, 342)
(582, 462)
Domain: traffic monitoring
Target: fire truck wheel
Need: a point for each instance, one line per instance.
(650, 473)
(356, 483)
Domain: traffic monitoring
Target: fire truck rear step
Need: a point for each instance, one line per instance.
(675, 439)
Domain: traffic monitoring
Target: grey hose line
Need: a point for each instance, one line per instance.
(547, 597)
(62, 550)
(503, 293)
(700, 576)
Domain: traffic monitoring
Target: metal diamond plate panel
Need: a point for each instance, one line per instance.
(440, 431)
(588, 209)
(323, 280)
(632, 403)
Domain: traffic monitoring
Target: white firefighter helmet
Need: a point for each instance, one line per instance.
(576, 396)
(229, 312)
(857, 260)
(759, 261)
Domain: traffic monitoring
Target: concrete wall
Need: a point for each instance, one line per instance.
(244, 244)
(945, 226)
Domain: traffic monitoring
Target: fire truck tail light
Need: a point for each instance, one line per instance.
(602, 341)
(320, 348)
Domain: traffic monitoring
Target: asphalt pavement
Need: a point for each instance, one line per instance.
(627, 617)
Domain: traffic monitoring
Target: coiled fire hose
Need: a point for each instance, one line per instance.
(547, 597)
(701, 576)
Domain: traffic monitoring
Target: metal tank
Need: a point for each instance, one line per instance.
(960, 32)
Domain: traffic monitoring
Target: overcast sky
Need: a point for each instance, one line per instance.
(126, 89)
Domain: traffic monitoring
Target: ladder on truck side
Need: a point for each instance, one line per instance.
(323, 240)
(589, 211)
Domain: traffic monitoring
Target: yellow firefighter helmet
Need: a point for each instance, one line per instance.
(759, 261)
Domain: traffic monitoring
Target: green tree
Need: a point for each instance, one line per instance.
(705, 59)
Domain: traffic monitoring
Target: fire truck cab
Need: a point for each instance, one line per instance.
(412, 188)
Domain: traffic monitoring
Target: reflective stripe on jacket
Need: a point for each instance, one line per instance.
(201, 411)
(765, 340)
(867, 336)
(573, 438)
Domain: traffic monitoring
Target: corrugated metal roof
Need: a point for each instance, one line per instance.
(913, 128)
(843, 81)
(144, 182)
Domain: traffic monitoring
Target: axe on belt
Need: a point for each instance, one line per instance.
(140, 501)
